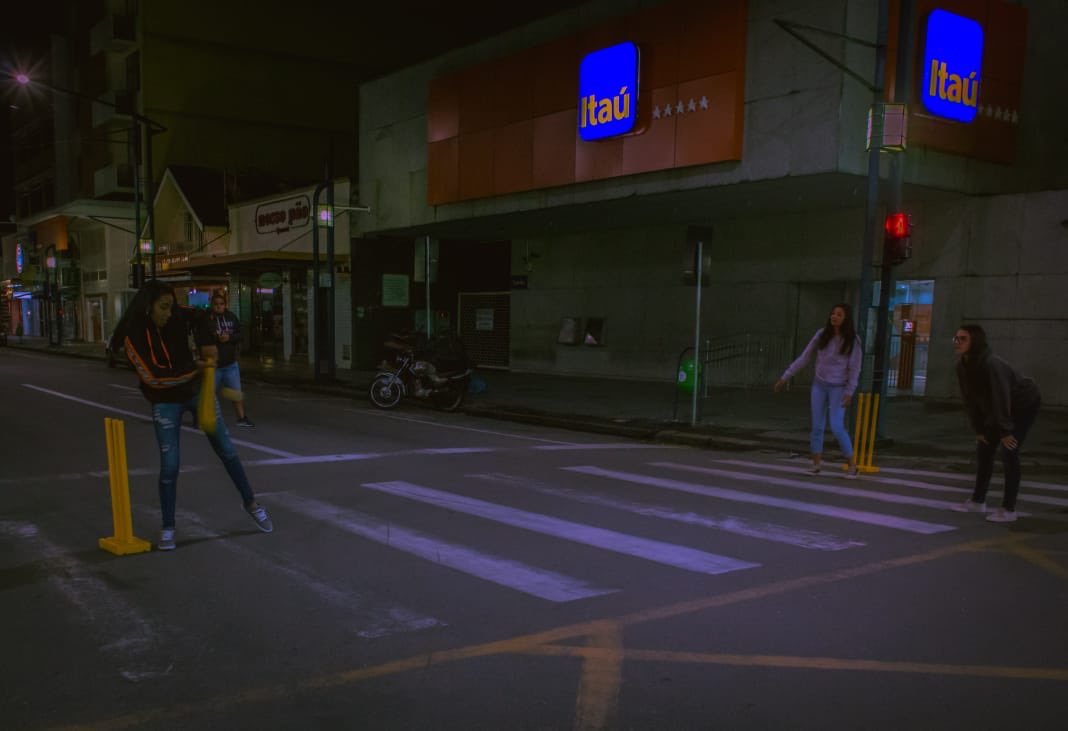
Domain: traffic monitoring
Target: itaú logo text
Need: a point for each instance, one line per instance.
(952, 58)
(608, 92)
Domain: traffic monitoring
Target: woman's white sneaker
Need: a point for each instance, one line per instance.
(970, 506)
(1001, 515)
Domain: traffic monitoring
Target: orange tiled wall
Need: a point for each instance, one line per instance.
(510, 125)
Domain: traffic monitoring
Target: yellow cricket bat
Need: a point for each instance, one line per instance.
(206, 404)
(231, 394)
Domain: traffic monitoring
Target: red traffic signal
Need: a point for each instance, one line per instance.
(898, 225)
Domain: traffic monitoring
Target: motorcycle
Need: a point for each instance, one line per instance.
(413, 377)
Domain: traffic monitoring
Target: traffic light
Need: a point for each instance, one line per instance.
(897, 244)
(137, 275)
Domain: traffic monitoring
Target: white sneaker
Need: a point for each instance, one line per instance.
(166, 540)
(970, 506)
(852, 473)
(1001, 515)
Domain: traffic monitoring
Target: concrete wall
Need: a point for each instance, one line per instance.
(1001, 262)
(770, 276)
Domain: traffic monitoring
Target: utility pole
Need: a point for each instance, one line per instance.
(871, 208)
(894, 203)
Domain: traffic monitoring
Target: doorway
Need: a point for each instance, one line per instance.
(910, 337)
(95, 306)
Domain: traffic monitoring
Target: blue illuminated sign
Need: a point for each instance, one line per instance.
(608, 92)
(20, 260)
(952, 58)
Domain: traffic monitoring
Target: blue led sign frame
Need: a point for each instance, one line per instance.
(952, 59)
(608, 92)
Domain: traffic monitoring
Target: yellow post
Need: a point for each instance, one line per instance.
(864, 431)
(206, 403)
(123, 542)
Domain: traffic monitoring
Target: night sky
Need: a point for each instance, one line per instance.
(390, 36)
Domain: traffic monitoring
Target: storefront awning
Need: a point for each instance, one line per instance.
(251, 263)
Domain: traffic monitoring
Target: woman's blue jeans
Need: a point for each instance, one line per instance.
(168, 422)
(827, 400)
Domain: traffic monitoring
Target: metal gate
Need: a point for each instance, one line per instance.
(484, 327)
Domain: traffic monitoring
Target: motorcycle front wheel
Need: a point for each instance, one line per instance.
(385, 392)
(450, 396)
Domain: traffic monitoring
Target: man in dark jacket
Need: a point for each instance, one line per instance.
(228, 338)
(1002, 406)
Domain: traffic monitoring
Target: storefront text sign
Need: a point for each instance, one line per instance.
(281, 216)
(20, 258)
(952, 57)
(608, 92)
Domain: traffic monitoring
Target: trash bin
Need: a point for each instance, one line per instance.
(687, 377)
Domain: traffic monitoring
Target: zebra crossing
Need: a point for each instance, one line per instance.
(576, 528)
(731, 506)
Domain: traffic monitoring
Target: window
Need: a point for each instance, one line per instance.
(569, 331)
(594, 334)
(133, 72)
(190, 228)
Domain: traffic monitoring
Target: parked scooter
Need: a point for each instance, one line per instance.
(443, 384)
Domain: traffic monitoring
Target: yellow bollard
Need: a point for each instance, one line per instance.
(864, 432)
(206, 404)
(123, 542)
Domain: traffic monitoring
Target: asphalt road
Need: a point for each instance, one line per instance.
(435, 571)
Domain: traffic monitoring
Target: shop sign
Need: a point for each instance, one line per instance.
(952, 57)
(608, 92)
(20, 258)
(281, 216)
(270, 280)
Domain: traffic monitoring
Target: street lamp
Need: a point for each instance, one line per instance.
(151, 126)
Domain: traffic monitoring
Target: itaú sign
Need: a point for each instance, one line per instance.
(952, 56)
(608, 92)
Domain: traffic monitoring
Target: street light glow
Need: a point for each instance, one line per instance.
(22, 79)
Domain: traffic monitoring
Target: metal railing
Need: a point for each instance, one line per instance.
(745, 360)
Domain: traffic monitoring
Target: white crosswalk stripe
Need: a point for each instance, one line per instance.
(962, 492)
(669, 554)
(808, 539)
(830, 511)
(811, 486)
(513, 574)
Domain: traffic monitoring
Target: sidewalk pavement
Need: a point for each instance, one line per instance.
(914, 430)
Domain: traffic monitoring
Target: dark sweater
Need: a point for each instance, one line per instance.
(163, 357)
(993, 392)
(227, 323)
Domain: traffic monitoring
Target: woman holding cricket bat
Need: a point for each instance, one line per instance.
(157, 338)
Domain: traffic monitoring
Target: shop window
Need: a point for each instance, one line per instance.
(570, 331)
(594, 333)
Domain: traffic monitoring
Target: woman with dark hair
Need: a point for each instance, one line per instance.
(838, 358)
(1002, 406)
(157, 333)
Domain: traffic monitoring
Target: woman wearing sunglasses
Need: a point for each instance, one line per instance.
(1002, 406)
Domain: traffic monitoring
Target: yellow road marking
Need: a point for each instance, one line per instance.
(602, 674)
(524, 643)
(808, 663)
(1038, 558)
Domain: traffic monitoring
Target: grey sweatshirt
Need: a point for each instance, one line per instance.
(832, 367)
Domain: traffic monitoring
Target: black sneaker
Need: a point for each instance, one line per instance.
(245, 421)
